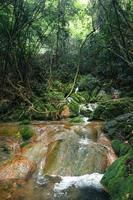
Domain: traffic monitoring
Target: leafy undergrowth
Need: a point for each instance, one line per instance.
(108, 110)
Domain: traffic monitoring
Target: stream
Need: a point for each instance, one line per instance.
(62, 161)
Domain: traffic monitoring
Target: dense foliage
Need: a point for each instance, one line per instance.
(59, 56)
(43, 40)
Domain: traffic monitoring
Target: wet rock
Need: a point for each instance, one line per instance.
(74, 108)
(75, 156)
(18, 168)
(111, 156)
(8, 147)
(35, 152)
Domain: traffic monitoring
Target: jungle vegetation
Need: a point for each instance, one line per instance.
(48, 44)
(56, 55)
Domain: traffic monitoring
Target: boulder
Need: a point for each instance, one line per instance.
(66, 112)
(118, 179)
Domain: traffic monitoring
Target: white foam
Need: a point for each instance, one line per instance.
(85, 119)
(40, 177)
(92, 106)
(69, 99)
(76, 90)
(88, 180)
(84, 141)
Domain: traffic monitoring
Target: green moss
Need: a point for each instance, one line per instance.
(124, 149)
(78, 119)
(110, 109)
(26, 132)
(121, 149)
(116, 146)
(24, 144)
(118, 179)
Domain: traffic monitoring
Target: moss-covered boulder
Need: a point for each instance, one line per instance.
(78, 119)
(26, 132)
(110, 109)
(121, 127)
(118, 179)
(121, 149)
(116, 146)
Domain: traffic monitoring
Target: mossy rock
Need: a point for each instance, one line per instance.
(121, 149)
(26, 132)
(116, 146)
(110, 109)
(118, 179)
(121, 127)
(24, 144)
(78, 119)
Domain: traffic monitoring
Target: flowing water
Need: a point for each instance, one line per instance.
(62, 162)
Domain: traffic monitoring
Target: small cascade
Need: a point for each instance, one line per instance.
(64, 156)
(41, 180)
(88, 180)
(86, 187)
(68, 162)
(84, 141)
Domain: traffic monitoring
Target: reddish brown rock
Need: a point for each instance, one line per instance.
(111, 156)
(18, 168)
(66, 112)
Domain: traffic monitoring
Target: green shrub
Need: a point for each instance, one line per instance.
(88, 83)
(74, 108)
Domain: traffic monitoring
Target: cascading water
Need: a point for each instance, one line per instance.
(70, 162)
